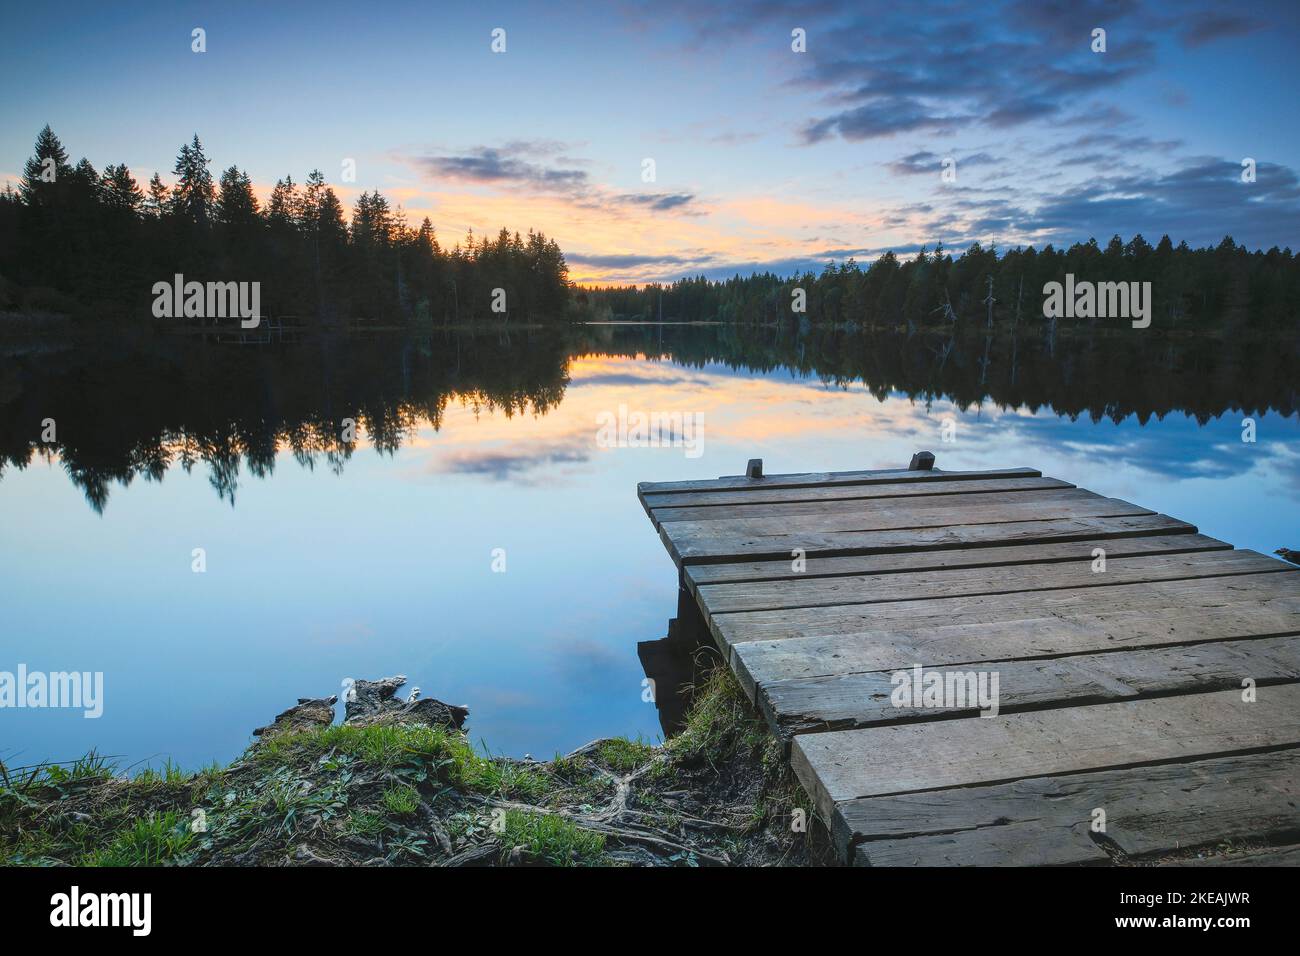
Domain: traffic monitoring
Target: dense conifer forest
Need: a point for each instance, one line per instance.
(1219, 289)
(76, 239)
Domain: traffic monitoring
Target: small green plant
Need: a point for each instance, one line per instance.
(720, 723)
(578, 778)
(93, 766)
(499, 777)
(624, 755)
(153, 841)
(402, 801)
(569, 766)
(367, 825)
(169, 772)
(551, 837)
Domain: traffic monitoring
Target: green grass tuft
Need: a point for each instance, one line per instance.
(168, 773)
(720, 723)
(366, 825)
(389, 746)
(402, 801)
(153, 841)
(624, 755)
(381, 745)
(553, 838)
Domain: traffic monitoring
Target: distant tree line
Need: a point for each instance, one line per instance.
(1223, 288)
(76, 239)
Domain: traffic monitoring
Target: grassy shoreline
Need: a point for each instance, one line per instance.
(404, 793)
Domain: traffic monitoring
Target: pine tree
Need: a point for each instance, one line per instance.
(84, 186)
(309, 211)
(44, 170)
(119, 189)
(157, 202)
(194, 196)
(236, 203)
(333, 227)
(284, 209)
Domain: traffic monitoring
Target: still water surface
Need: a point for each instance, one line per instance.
(326, 562)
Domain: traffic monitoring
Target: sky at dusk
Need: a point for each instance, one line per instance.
(764, 158)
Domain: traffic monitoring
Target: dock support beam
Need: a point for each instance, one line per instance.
(754, 469)
(688, 629)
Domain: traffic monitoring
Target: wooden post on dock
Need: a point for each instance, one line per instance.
(922, 461)
(754, 469)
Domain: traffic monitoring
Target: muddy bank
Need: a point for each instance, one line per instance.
(398, 783)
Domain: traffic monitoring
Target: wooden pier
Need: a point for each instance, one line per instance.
(1148, 676)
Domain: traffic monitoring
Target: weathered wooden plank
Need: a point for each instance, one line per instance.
(845, 701)
(898, 489)
(1048, 820)
(1047, 634)
(915, 513)
(689, 549)
(917, 616)
(1265, 856)
(904, 562)
(850, 764)
(797, 592)
(1042, 843)
(822, 478)
(1052, 502)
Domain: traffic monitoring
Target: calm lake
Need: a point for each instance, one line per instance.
(327, 560)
